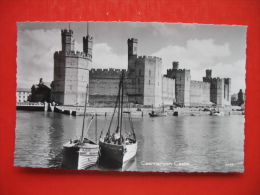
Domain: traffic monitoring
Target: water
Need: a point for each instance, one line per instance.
(172, 144)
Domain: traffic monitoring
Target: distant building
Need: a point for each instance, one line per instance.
(41, 92)
(238, 99)
(22, 94)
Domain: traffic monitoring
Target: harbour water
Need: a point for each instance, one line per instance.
(171, 144)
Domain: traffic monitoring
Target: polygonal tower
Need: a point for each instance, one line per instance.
(71, 71)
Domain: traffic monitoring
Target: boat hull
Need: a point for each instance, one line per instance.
(217, 114)
(118, 154)
(157, 114)
(81, 156)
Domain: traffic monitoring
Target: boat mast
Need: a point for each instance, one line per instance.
(163, 106)
(96, 129)
(119, 106)
(82, 132)
(122, 103)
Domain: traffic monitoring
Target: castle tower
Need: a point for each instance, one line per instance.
(67, 40)
(175, 65)
(208, 74)
(132, 47)
(240, 97)
(87, 44)
(71, 72)
(182, 87)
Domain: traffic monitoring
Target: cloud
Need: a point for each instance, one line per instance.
(163, 29)
(236, 71)
(199, 55)
(104, 57)
(35, 55)
(196, 55)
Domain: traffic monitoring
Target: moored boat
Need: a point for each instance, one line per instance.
(117, 148)
(80, 153)
(159, 113)
(217, 113)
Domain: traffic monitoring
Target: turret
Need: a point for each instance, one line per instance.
(175, 65)
(132, 47)
(87, 43)
(241, 96)
(67, 40)
(208, 74)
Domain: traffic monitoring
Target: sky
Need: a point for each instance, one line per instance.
(196, 47)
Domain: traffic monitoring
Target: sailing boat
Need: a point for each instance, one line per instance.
(156, 114)
(81, 152)
(116, 148)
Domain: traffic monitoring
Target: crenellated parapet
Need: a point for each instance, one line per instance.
(105, 73)
(66, 32)
(227, 81)
(87, 38)
(213, 80)
(199, 84)
(183, 71)
(150, 58)
(132, 40)
(76, 54)
(167, 78)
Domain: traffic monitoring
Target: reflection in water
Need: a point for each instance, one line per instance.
(186, 143)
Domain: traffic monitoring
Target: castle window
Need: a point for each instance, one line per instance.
(138, 81)
(149, 73)
(149, 82)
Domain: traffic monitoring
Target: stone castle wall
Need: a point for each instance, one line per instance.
(199, 93)
(104, 85)
(168, 91)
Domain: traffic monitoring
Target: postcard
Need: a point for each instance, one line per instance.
(130, 96)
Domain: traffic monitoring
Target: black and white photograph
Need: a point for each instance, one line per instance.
(130, 96)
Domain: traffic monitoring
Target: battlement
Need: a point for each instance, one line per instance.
(151, 58)
(106, 73)
(227, 81)
(200, 83)
(88, 38)
(182, 71)
(213, 79)
(167, 78)
(132, 40)
(66, 32)
(73, 54)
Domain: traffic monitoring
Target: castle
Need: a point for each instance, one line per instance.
(145, 82)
